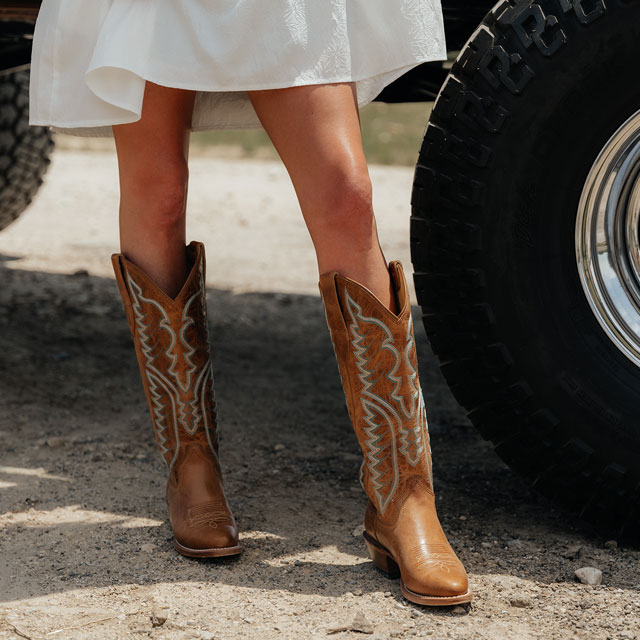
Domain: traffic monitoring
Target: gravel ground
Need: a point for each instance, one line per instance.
(84, 540)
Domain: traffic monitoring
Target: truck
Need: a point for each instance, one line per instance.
(525, 231)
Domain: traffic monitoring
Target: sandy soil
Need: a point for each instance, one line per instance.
(84, 540)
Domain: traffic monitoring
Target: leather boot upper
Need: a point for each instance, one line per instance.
(375, 350)
(171, 340)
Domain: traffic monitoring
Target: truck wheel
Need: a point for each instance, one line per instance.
(525, 244)
(24, 150)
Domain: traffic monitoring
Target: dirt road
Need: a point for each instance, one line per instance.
(84, 539)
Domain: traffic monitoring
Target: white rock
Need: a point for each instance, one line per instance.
(159, 617)
(589, 575)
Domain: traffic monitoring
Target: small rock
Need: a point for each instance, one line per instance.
(458, 611)
(55, 443)
(462, 517)
(357, 592)
(589, 575)
(80, 273)
(279, 447)
(207, 635)
(158, 618)
(357, 532)
(611, 544)
(572, 552)
(515, 543)
(148, 547)
(361, 624)
(628, 635)
(522, 603)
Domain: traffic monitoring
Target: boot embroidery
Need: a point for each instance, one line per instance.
(433, 555)
(207, 382)
(413, 428)
(187, 321)
(423, 430)
(382, 455)
(157, 381)
(160, 415)
(211, 514)
(187, 399)
(402, 409)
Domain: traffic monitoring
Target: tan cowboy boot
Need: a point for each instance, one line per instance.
(376, 356)
(171, 340)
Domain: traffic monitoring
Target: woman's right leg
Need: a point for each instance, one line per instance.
(162, 284)
(152, 163)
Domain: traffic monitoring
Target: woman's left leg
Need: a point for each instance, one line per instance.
(316, 131)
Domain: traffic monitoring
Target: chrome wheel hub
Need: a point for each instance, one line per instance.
(608, 238)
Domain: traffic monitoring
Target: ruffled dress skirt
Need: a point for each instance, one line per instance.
(91, 58)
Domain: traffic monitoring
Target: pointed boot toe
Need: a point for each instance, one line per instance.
(443, 581)
(207, 540)
(438, 592)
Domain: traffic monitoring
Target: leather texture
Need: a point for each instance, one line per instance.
(375, 350)
(171, 341)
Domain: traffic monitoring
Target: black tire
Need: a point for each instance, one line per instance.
(535, 94)
(24, 150)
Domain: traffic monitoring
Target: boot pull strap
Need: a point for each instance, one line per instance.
(124, 291)
(333, 310)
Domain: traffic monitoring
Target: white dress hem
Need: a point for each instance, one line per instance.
(137, 113)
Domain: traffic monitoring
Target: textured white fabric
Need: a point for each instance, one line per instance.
(91, 58)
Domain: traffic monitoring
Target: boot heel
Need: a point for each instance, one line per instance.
(383, 561)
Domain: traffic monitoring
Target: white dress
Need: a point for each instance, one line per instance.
(91, 58)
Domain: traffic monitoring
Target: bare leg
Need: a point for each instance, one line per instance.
(152, 163)
(316, 131)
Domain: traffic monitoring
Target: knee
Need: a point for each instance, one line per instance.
(349, 204)
(158, 194)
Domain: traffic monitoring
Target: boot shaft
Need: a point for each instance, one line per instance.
(171, 340)
(376, 355)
